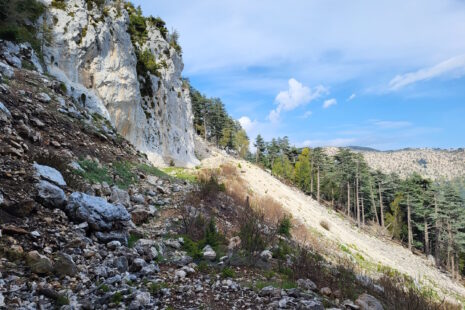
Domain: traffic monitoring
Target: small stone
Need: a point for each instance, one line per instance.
(35, 234)
(2, 300)
(65, 265)
(120, 196)
(38, 263)
(306, 284)
(209, 253)
(137, 264)
(368, 302)
(43, 97)
(141, 300)
(113, 245)
(326, 291)
(266, 255)
(179, 274)
(121, 263)
(138, 198)
(234, 243)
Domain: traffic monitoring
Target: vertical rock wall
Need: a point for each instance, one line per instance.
(92, 53)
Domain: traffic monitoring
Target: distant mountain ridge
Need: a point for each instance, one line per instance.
(446, 164)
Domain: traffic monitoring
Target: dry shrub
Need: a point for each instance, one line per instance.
(272, 209)
(237, 190)
(254, 233)
(228, 171)
(402, 293)
(325, 224)
(306, 238)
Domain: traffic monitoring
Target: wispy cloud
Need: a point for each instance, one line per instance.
(392, 124)
(351, 97)
(329, 103)
(297, 95)
(247, 123)
(330, 142)
(454, 66)
(307, 114)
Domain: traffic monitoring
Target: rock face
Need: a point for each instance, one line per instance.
(93, 55)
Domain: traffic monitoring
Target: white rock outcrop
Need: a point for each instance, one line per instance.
(93, 55)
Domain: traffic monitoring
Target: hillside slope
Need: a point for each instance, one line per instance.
(429, 163)
(375, 251)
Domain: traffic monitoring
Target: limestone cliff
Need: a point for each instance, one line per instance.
(93, 53)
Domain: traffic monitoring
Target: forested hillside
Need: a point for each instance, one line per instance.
(430, 163)
(423, 214)
(212, 122)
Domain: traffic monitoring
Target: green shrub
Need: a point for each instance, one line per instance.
(117, 298)
(15, 21)
(59, 4)
(155, 288)
(228, 273)
(132, 240)
(146, 62)
(192, 248)
(284, 227)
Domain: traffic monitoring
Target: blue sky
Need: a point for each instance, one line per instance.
(382, 74)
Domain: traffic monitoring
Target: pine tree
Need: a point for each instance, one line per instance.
(260, 150)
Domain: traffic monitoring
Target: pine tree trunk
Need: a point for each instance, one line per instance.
(357, 201)
(426, 237)
(409, 224)
(373, 203)
(311, 177)
(318, 184)
(450, 259)
(363, 212)
(381, 205)
(332, 197)
(437, 232)
(348, 199)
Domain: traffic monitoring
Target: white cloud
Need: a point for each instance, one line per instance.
(453, 66)
(329, 103)
(307, 114)
(351, 97)
(321, 54)
(247, 123)
(392, 124)
(297, 95)
(330, 142)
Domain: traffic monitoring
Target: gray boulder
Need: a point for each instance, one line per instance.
(6, 70)
(209, 253)
(97, 212)
(368, 302)
(43, 97)
(306, 284)
(266, 255)
(49, 174)
(109, 236)
(50, 195)
(4, 113)
(120, 196)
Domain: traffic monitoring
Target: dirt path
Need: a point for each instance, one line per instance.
(341, 231)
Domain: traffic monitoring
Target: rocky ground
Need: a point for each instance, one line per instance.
(72, 241)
